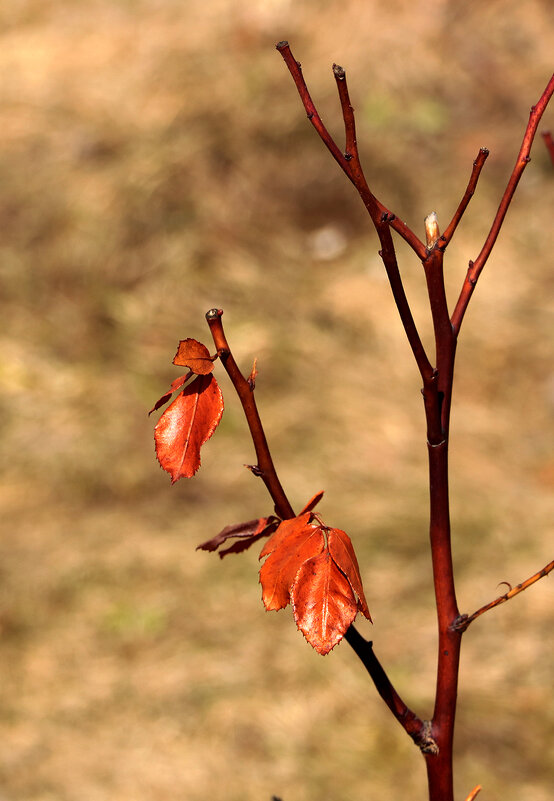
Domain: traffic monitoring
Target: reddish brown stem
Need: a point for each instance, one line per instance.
(414, 726)
(475, 173)
(522, 160)
(463, 621)
(265, 467)
(266, 470)
(549, 142)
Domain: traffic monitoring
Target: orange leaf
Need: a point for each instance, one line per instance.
(195, 356)
(286, 527)
(286, 558)
(342, 551)
(186, 425)
(323, 602)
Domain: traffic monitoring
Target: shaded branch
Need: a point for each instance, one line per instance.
(463, 621)
(265, 467)
(522, 160)
(414, 726)
(475, 173)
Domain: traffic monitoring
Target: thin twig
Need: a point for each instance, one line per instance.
(410, 722)
(266, 470)
(522, 160)
(463, 621)
(476, 171)
(474, 793)
(549, 142)
(265, 467)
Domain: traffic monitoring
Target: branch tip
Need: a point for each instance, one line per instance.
(339, 72)
(213, 314)
(281, 45)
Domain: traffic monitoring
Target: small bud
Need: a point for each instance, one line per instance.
(432, 229)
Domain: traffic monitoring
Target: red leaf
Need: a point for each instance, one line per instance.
(195, 356)
(313, 502)
(186, 425)
(174, 385)
(286, 527)
(246, 534)
(323, 601)
(287, 557)
(342, 551)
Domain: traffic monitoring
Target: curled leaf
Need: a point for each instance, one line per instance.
(245, 533)
(186, 425)
(195, 356)
(342, 551)
(313, 502)
(174, 385)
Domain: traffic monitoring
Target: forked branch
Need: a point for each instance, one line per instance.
(381, 217)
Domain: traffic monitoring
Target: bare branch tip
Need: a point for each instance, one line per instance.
(281, 45)
(213, 314)
(339, 72)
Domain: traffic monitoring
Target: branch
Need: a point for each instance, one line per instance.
(475, 173)
(382, 218)
(265, 467)
(549, 142)
(463, 621)
(349, 162)
(475, 267)
(414, 726)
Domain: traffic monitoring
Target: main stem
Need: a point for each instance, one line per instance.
(439, 766)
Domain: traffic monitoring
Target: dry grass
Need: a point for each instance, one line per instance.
(155, 162)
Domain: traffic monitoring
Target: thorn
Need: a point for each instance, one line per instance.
(254, 469)
(507, 583)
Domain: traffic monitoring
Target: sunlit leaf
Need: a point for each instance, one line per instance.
(324, 604)
(186, 425)
(195, 356)
(283, 563)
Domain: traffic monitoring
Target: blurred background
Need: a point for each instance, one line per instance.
(155, 161)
